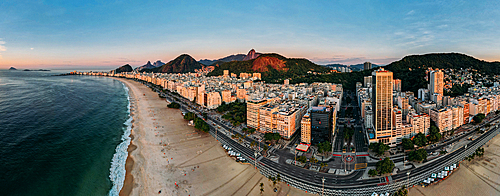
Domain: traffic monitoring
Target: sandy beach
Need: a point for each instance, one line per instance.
(168, 157)
(481, 176)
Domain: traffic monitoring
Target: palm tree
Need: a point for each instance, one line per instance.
(323, 165)
(261, 188)
(278, 178)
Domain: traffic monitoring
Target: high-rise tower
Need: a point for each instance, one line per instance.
(382, 104)
(367, 66)
(436, 82)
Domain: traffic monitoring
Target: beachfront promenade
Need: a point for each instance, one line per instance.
(311, 181)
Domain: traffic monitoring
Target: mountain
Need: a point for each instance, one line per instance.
(274, 67)
(443, 61)
(158, 63)
(234, 57)
(251, 55)
(125, 68)
(146, 66)
(357, 67)
(182, 64)
(411, 70)
(12, 68)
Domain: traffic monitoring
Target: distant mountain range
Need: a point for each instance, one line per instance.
(235, 57)
(357, 67)
(148, 65)
(182, 64)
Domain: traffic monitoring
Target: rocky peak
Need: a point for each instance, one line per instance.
(251, 55)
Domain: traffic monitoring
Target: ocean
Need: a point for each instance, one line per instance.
(62, 135)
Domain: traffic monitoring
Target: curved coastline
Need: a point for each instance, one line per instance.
(121, 157)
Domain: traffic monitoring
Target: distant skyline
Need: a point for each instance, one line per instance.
(93, 34)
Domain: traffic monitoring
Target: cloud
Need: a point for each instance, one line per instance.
(126, 60)
(2, 47)
(352, 60)
(411, 12)
(442, 26)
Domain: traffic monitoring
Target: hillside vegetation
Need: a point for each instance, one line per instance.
(274, 67)
(410, 69)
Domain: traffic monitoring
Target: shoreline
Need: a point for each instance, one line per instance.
(129, 163)
(169, 157)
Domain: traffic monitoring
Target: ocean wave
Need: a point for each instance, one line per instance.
(117, 170)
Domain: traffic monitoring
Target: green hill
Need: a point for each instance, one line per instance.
(411, 70)
(182, 64)
(125, 68)
(274, 67)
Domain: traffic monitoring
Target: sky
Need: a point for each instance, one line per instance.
(106, 34)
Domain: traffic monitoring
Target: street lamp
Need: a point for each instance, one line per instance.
(408, 173)
(323, 192)
(255, 153)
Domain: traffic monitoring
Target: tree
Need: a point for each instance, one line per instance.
(251, 130)
(385, 166)
(348, 132)
(407, 144)
(434, 134)
(420, 140)
(313, 160)
(324, 147)
(379, 148)
(372, 172)
(265, 148)
(417, 155)
(278, 178)
(189, 116)
(261, 187)
(302, 159)
(478, 118)
(323, 165)
(402, 191)
(272, 137)
(174, 105)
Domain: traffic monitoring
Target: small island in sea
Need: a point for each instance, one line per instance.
(12, 68)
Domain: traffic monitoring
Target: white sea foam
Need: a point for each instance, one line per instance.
(117, 170)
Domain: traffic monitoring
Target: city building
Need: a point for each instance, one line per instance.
(443, 117)
(253, 113)
(367, 81)
(367, 66)
(382, 105)
(436, 82)
(305, 125)
(397, 85)
(420, 122)
(321, 124)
